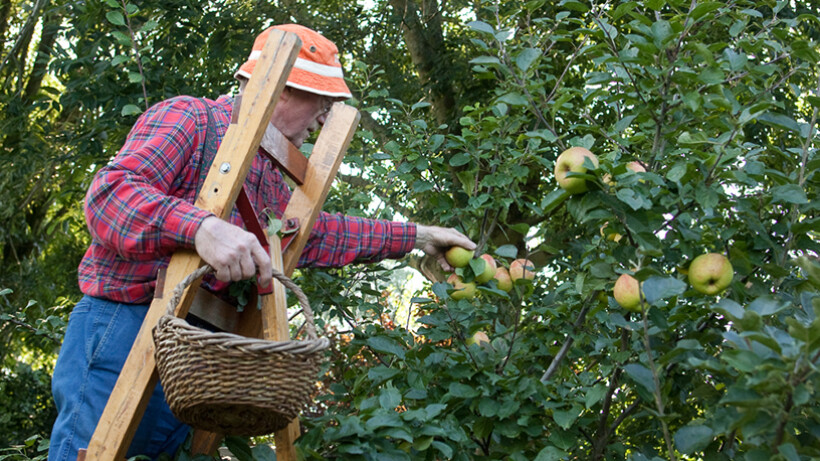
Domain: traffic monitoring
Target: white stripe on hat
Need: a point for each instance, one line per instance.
(318, 69)
(308, 66)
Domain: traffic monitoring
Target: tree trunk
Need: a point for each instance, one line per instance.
(425, 42)
(51, 25)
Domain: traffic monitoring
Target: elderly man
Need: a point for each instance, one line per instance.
(139, 210)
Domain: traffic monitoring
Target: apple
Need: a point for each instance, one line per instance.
(572, 160)
(627, 293)
(461, 290)
(479, 337)
(522, 269)
(710, 273)
(458, 256)
(503, 280)
(489, 269)
(635, 166)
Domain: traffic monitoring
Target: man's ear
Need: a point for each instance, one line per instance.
(286, 94)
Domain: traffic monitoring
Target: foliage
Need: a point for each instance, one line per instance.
(465, 108)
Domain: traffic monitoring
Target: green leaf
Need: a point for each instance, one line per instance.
(641, 375)
(635, 201)
(445, 449)
(550, 454)
(526, 57)
(731, 308)
(384, 418)
(789, 193)
(565, 419)
(692, 439)
(507, 251)
(460, 159)
(767, 305)
(488, 407)
(594, 395)
(386, 345)
(481, 26)
(389, 398)
(115, 17)
(239, 448)
(463, 391)
(263, 452)
(553, 200)
(130, 109)
(657, 288)
(779, 121)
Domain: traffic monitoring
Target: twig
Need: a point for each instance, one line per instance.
(136, 53)
(553, 367)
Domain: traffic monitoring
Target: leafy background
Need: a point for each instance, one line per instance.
(465, 107)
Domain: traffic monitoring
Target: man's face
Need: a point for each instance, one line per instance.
(299, 113)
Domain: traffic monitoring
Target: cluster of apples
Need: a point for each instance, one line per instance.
(709, 273)
(504, 278)
(572, 161)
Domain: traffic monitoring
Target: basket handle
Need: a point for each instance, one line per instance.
(176, 296)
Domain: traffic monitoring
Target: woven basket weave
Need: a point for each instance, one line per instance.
(232, 384)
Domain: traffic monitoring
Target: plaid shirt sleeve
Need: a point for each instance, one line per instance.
(135, 205)
(337, 240)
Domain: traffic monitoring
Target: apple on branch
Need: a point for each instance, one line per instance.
(710, 273)
(489, 269)
(522, 269)
(458, 256)
(503, 281)
(461, 290)
(627, 292)
(572, 160)
(479, 337)
(635, 166)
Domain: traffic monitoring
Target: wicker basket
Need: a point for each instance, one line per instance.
(232, 384)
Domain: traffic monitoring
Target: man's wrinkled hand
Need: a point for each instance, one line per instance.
(435, 241)
(234, 253)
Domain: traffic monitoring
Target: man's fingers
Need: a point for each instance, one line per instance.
(263, 263)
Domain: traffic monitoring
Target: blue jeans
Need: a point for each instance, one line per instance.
(98, 339)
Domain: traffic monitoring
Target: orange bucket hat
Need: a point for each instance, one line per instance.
(317, 69)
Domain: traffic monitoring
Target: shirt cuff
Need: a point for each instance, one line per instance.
(402, 239)
(183, 222)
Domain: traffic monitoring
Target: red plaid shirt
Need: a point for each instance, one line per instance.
(139, 208)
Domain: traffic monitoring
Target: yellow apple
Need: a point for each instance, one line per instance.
(461, 290)
(458, 256)
(627, 293)
(489, 269)
(479, 337)
(572, 160)
(522, 269)
(710, 273)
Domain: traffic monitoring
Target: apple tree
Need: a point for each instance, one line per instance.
(718, 103)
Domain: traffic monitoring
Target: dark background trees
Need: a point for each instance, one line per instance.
(465, 107)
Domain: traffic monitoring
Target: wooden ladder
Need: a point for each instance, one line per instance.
(130, 396)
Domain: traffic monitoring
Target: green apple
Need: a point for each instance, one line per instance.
(502, 279)
(572, 160)
(627, 293)
(489, 269)
(458, 256)
(522, 269)
(479, 337)
(710, 273)
(461, 290)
